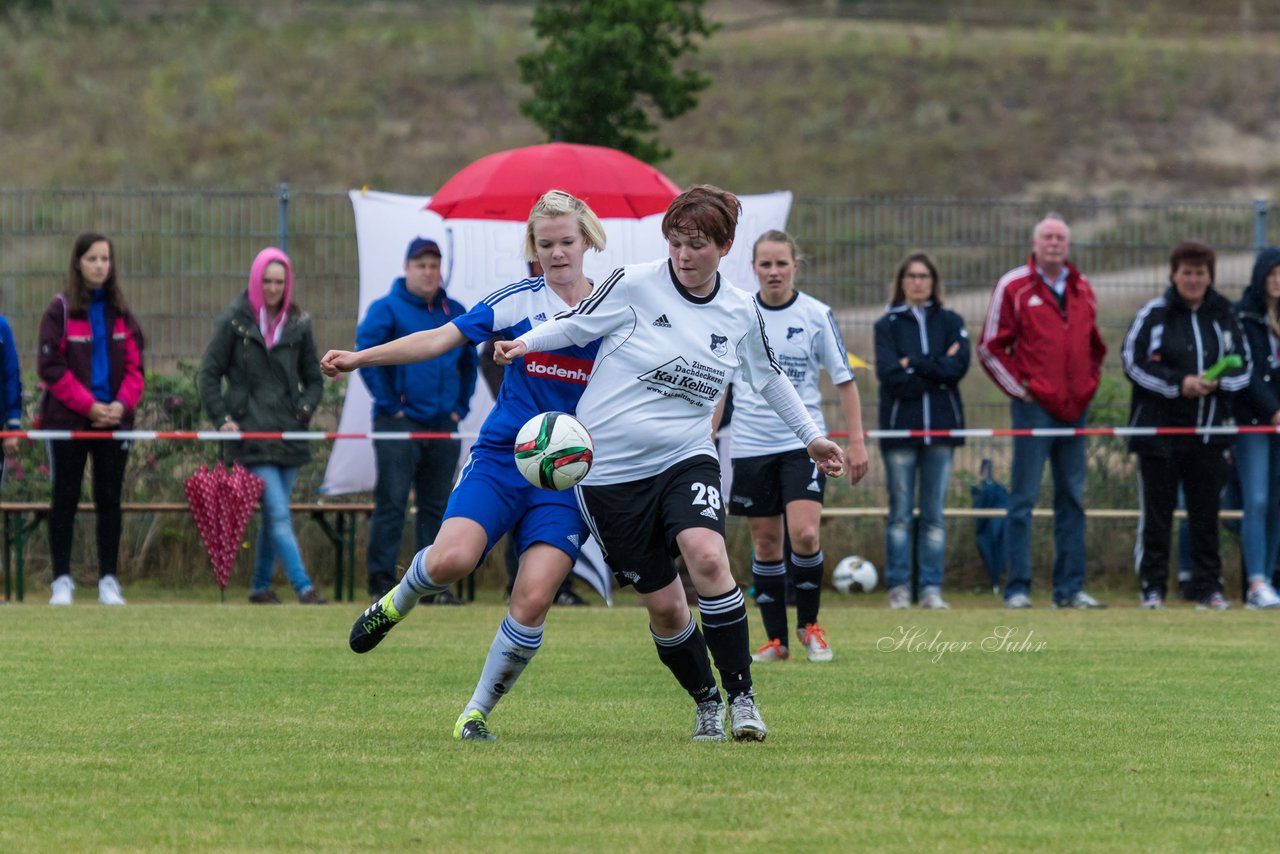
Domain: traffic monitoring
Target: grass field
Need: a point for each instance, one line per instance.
(195, 726)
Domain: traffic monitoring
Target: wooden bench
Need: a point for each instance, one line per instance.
(336, 520)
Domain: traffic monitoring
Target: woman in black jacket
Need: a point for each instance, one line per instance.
(922, 351)
(263, 349)
(1174, 339)
(1258, 454)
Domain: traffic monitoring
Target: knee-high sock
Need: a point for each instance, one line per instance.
(415, 584)
(806, 572)
(512, 649)
(771, 597)
(724, 622)
(685, 655)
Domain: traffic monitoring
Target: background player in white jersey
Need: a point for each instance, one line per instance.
(772, 473)
(491, 497)
(672, 331)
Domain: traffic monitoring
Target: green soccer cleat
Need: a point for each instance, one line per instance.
(372, 626)
(471, 726)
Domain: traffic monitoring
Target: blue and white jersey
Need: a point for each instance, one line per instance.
(538, 382)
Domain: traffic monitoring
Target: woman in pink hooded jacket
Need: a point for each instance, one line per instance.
(260, 373)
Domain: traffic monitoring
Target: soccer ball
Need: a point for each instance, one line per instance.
(553, 451)
(854, 574)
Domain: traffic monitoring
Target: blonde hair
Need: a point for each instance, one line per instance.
(556, 203)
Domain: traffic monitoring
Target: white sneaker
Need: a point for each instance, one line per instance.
(708, 723)
(814, 640)
(744, 720)
(1262, 597)
(899, 597)
(62, 587)
(109, 591)
(932, 599)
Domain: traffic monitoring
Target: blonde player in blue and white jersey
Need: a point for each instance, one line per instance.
(491, 498)
(671, 333)
(773, 476)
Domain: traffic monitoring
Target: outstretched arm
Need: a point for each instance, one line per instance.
(416, 347)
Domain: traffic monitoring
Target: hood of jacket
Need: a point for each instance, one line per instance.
(1254, 298)
(256, 274)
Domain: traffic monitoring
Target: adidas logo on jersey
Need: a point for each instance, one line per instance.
(574, 539)
(813, 486)
(541, 317)
(662, 322)
(1034, 301)
(710, 513)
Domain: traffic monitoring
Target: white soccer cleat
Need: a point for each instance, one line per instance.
(814, 639)
(62, 587)
(709, 723)
(744, 720)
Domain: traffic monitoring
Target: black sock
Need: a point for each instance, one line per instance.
(806, 574)
(771, 597)
(724, 622)
(685, 655)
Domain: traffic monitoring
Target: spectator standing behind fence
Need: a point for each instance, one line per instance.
(1172, 341)
(1040, 343)
(90, 363)
(263, 349)
(922, 353)
(1258, 454)
(431, 396)
(775, 483)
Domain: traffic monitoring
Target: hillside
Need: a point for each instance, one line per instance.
(807, 96)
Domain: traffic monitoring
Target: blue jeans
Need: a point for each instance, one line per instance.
(425, 465)
(275, 535)
(1066, 456)
(903, 466)
(1258, 464)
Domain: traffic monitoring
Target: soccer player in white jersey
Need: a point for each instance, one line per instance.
(772, 473)
(671, 333)
(491, 497)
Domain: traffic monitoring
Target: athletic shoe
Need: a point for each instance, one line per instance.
(709, 723)
(814, 640)
(265, 597)
(1017, 601)
(1152, 600)
(899, 597)
(1262, 597)
(744, 720)
(372, 626)
(312, 597)
(62, 587)
(772, 651)
(1081, 601)
(1213, 602)
(931, 599)
(471, 726)
(109, 591)
(568, 597)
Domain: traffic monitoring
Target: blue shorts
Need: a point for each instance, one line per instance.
(491, 492)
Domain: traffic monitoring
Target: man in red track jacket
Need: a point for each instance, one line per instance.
(1040, 344)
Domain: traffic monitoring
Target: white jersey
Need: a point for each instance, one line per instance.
(665, 359)
(804, 338)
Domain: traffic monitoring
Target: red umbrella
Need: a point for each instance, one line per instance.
(506, 185)
(221, 502)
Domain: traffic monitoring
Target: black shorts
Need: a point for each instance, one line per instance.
(636, 522)
(765, 485)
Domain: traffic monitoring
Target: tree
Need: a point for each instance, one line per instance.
(608, 65)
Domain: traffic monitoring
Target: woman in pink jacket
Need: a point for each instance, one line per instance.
(90, 364)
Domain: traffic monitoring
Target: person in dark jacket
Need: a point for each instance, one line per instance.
(90, 363)
(922, 352)
(1174, 339)
(1258, 454)
(261, 374)
(423, 397)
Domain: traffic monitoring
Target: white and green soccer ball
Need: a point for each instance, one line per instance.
(553, 451)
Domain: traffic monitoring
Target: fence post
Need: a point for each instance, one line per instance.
(1259, 225)
(282, 217)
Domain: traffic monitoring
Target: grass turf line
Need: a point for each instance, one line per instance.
(241, 728)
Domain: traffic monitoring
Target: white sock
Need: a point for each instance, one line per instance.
(415, 584)
(512, 649)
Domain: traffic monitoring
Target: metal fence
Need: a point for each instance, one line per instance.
(183, 256)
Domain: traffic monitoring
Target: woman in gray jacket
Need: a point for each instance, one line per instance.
(261, 374)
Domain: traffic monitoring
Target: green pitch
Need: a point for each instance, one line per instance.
(206, 727)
